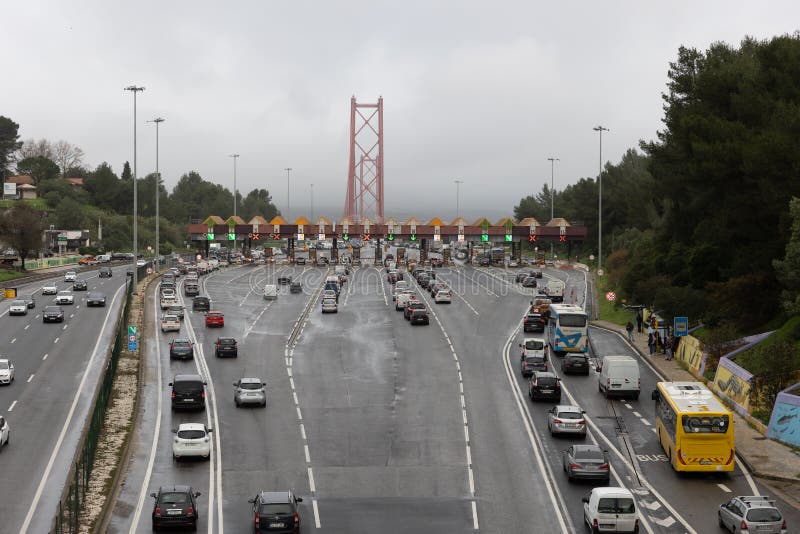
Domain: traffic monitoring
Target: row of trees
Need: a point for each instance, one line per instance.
(698, 223)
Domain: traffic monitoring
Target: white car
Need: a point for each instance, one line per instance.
(141, 263)
(614, 508)
(18, 307)
(443, 295)
(167, 301)
(70, 276)
(170, 323)
(50, 289)
(65, 297)
(6, 372)
(402, 298)
(191, 439)
(329, 305)
(5, 431)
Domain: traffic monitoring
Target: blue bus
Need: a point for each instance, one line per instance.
(568, 329)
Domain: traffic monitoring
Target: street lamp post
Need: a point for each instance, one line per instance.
(134, 89)
(235, 157)
(458, 195)
(600, 129)
(288, 170)
(157, 121)
(312, 203)
(552, 198)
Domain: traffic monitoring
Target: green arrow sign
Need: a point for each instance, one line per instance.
(508, 238)
(484, 238)
(231, 236)
(413, 237)
(210, 236)
(133, 330)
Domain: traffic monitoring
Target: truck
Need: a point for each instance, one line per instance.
(498, 255)
(555, 290)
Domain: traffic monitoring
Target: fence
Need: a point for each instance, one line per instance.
(67, 520)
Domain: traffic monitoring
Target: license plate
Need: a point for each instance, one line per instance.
(571, 425)
(276, 525)
(188, 400)
(616, 385)
(705, 462)
(174, 512)
(547, 391)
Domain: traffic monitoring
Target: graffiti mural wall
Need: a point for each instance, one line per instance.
(784, 425)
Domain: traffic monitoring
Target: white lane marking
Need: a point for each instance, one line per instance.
(666, 522)
(299, 414)
(644, 421)
(637, 414)
(154, 444)
(14, 340)
(308, 454)
(724, 488)
(471, 481)
(56, 340)
(747, 476)
(303, 431)
(311, 485)
(296, 401)
(44, 357)
(71, 315)
(11, 408)
(316, 513)
(628, 406)
(30, 378)
(68, 422)
(474, 515)
(64, 327)
(27, 326)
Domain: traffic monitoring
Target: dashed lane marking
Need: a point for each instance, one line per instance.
(724, 488)
(30, 378)
(44, 357)
(11, 408)
(14, 340)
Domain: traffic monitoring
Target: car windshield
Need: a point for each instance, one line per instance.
(191, 434)
(570, 415)
(3, 365)
(174, 498)
(546, 381)
(227, 341)
(705, 424)
(19, 303)
(169, 319)
(616, 505)
(181, 344)
(577, 358)
(764, 515)
(275, 509)
(534, 344)
(250, 385)
(572, 319)
(589, 454)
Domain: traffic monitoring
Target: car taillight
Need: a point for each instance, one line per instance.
(743, 526)
(296, 519)
(545, 366)
(608, 383)
(604, 467)
(783, 526)
(203, 394)
(581, 422)
(173, 394)
(190, 511)
(575, 466)
(157, 513)
(257, 519)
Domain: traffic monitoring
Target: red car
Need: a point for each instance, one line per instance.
(215, 318)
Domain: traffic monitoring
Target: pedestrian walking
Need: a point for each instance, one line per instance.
(668, 351)
(629, 329)
(651, 343)
(639, 321)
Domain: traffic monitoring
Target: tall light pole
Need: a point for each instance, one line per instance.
(134, 89)
(157, 121)
(312, 203)
(288, 170)
(600, 129)
(235, 157)
(552, 197)
(458, 197)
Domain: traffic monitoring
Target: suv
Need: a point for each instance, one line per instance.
(201, 304)
(226, 347)
(188, 391)
(751, 513)
(411, 306)
(419, 316)
(544, 386)
(575, 363)
(175, 506)
(533, 322)
(276, 511)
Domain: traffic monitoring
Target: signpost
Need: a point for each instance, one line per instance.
(133, 335)
(680, 326)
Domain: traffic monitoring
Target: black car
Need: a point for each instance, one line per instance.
(226, 347)
(95, 298)
(522, 275)
(575, 364)
(53, 314)
(29, 300)
(537, 273)
(105, 272)
(419, 316)
(531, 363)
(544, 386)
(300, 261)
(276, 512)
(80, 285)
(175, 506)
(295, 287)
(411, 306)
(181, 349)
(424, 280)
(284, 280)
(188, 391)
(529, 281)
(533, 322)
(201, 304)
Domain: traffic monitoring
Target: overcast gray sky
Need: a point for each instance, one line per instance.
(480, 91)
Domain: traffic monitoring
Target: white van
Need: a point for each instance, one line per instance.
(619, 376)
(610, 510)
(555, 290)
(270, 292)
(402, 298)
(103, 258)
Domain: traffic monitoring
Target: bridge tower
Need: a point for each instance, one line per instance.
(365, 173)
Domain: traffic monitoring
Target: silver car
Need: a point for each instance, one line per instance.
(751, 513)
(565, 419)
(250, 391)
(18, 307)
(6, 371)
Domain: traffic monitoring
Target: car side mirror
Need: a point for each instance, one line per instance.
(251, 501)
(197, 493)
(585, 500)
(174, 430)
(235, 383)
(599, 368)
(520, 344)
(263, 383)
(298, 499)
(169, 384)
(210, 430)
(204, 382)
(153, 495)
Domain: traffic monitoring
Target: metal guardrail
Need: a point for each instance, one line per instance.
(68, 515)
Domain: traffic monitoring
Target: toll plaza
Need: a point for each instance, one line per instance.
(235, 234)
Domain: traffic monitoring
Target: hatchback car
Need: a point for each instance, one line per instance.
(105, 272)
(276, 512)
(753, 513)
(250, 390)
(170, 323)
(419, 316)
(226, 347)
(586, 462)
(80, 285)
(50, 289)
(53, 314)
(566, 419)
(215, 318)
(175, 506)
(176, 310)
(65, 297)
(329, 305)
(443, 295)
(70, 276)
(6, 371)
(191, 440)
(411, 306)
(181, 349)
(529, 281)
(544, 386)
(575, 364)
(201, 304)
(18, 307)
(95, 298)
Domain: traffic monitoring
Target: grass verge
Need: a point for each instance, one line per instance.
(612, 311)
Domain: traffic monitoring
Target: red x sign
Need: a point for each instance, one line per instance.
(532, 238)
(366, 237)
(562, 238)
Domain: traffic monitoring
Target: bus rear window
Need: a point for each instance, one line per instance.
(705, 424)
(573, 320)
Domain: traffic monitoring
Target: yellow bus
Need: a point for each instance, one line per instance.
(694, 427)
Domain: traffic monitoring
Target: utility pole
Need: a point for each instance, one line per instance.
(600, 129)
(157, 121)
(312, 203)
(458, 197)
(134, 89)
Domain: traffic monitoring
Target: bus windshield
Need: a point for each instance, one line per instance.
(705, 424)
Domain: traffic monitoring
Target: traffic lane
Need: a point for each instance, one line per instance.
(383, 418)
(682, 489)
(42, 401)
(260, 447)
(512, 492)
